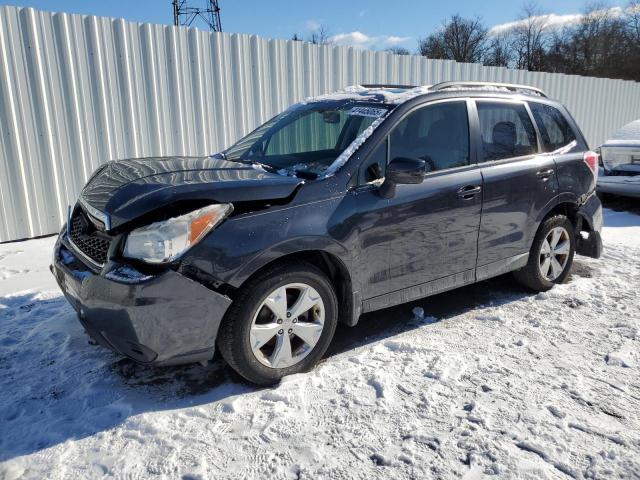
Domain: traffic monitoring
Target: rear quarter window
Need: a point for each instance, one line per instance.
(554, 129)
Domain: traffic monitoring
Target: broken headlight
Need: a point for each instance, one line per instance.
(167, 240)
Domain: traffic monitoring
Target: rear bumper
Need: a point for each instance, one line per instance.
(624, 185)
(589, 238)
(162, 320)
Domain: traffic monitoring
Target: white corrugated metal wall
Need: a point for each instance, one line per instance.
(76, 91)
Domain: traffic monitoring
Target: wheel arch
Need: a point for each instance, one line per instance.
(571, 210)
(566, 208)
(349, 300)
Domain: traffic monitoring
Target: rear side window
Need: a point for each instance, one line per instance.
(507, 131)
(554, 128)
(438, 134)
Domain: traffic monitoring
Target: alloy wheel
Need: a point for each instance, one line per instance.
(554, 253)
(287, 325)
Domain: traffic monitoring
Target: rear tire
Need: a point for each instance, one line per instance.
(551, 255)
(257, 314)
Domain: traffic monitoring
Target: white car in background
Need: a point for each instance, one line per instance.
(620, 170)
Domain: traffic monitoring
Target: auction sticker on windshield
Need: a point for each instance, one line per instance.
(368, 112)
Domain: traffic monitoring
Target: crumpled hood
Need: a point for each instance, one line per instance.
(127, 189)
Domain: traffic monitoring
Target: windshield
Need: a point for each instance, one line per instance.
(307, 138)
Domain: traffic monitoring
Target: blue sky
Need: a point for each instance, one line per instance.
(370, 24)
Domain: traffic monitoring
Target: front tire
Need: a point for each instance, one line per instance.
(280, 323)
(551, 255)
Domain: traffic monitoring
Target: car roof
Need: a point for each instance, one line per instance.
(399, 94)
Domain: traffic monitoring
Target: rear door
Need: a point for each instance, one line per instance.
(567, 147)
(519, 182)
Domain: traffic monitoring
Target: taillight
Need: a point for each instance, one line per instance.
(591, 159)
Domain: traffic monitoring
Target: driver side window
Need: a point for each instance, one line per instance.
(438, 134)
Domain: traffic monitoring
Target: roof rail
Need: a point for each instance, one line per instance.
(470, 85)
(384, 85)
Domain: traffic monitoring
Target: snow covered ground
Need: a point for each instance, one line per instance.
(486, 380)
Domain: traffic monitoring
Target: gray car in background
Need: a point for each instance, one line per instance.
(620, 170)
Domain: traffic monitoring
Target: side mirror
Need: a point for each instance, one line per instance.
(402, 171)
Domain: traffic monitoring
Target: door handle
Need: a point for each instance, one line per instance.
(545, 174)
(469, 191)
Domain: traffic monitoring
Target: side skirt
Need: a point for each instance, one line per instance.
(419, 291)
(444, 284)
(506, 265)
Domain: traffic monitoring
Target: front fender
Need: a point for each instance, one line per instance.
(242, 245)
(288, 247)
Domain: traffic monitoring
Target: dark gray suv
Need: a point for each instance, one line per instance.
(343, 204)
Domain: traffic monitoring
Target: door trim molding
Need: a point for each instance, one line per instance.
(444, 284)
(419, 291)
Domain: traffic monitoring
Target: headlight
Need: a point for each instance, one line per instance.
(166, 241)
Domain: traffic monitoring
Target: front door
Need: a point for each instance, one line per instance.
(431, 229)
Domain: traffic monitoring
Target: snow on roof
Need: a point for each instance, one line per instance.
(491, 88)
(627, 135)
(398, 95)
(390, 95)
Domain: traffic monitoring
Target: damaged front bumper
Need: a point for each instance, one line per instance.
(163, 319)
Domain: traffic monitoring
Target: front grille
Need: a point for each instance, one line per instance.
(87, 238)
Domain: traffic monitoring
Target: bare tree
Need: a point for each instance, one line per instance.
(398, 51)
(561, 55)
(320, 36)
(604, 42)
(530, 39)
(633, 28)
(433, 47)
(460, 39)
(499, 52)
(633, 20)
(601, 43)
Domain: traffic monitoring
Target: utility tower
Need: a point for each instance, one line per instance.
(185, 14)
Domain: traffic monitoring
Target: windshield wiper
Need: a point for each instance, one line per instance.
(245, 161)
(307, 174)
(267, 167)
